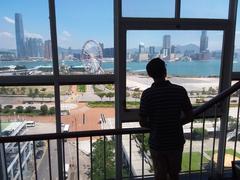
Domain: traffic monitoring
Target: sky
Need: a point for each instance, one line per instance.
(82, 20)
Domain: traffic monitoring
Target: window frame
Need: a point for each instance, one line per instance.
(177, 23)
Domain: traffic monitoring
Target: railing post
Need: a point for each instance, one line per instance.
(2, 163)
(222, 140)
(225, 77)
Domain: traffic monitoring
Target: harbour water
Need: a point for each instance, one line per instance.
(194, 68)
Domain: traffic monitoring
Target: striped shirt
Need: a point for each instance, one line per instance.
(162, 105)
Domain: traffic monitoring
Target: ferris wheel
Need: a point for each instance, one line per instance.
(92, 55)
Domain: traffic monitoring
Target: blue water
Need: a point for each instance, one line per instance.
(178, 68)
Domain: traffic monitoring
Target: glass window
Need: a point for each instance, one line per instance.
(192, 59)
(27, 110)
(87, 107)
(204, 9)
(236, 59)
(150, 8)
(25, 44)
(85, 36)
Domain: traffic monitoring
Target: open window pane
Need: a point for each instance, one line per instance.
(192, 58)
(27, 110)
(25, 44)
(236, 58)
(150, 8)
(87, 107)
(204, 9)
(85, 36)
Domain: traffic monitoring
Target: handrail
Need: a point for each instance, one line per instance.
(36, 137)
(216, 99)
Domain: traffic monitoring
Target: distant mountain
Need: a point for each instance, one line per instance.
(65, 50)
(180, 48)
(189, 47)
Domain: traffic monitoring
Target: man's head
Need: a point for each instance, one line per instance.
(156, 69)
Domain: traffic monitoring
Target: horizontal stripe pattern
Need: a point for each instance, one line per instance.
(162, 104)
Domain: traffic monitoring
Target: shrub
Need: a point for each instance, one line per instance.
(197, 134)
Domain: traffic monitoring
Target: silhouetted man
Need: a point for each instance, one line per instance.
(164, 108)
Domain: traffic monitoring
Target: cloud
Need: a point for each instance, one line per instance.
(33, 35)
(6, 34)
(66, 33)
(9, 20)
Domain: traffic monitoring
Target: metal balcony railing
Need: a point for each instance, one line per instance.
(100, 160)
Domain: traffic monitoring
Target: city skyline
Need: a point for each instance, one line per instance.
(76, 28)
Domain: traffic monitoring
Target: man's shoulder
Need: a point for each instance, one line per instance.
(146, 91)
(178, 87)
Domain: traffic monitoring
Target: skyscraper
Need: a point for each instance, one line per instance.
(151, 52)
(166, 46)
(48, 49)
(141, 48)
(34, 47)
(203, 41)
(19, 31)
(166, 41)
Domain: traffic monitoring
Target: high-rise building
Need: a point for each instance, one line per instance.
(19, 31)
(69, 51)
(141, 48)
(108, 52)
(167, 46)
(173, 49)
(48, 49)
(151, 52)
(203, 41)
(102, 46)
(34, 47)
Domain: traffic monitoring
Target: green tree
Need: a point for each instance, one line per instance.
(36, 91)
(29, 109)
(81, 88)
(51, 110)
(203, 90)
(50, 96)
(101, 95)
(43, 89)
(19, 109)
(110, 95)
(8, 106)
(136, 95)
(42, 95)
(44, 109)
(212, 91)
(197, 134)
(6, 109)
(32, 94)
(98, 159)
(23, 90)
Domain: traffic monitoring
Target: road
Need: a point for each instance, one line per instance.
(70, 158)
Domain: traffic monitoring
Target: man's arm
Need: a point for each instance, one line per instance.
(143, 112)
(144, 121)
(187, 115)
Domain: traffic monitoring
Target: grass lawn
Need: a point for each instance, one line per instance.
(96, 104)
(133, 104)
(196, 160)
(231, 151)
(81, 88)
(228, 151)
